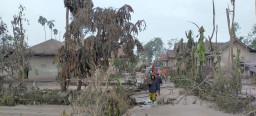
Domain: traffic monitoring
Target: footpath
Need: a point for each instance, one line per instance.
(188, 106)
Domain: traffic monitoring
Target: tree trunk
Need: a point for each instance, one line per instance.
(79, 85)
(51, 33)
(67, 26)
(213, 20)
(65, 64)
(23, 50)
(44, 33)
(231, 33)
(63, 86)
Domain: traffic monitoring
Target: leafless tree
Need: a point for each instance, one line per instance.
(231, 31)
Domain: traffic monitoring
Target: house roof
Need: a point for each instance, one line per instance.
(220, 45)
(46, 48)
(215, 45)
(169, 54)
(241, 43)
(163, 57)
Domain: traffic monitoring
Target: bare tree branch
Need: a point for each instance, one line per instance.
(194, 24)
(231, 32)
(213, 20)
(197, 86)
(216, 35)
(231, 41)
(210, 38)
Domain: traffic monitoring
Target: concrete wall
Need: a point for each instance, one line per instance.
(42, 68)
(245, 55)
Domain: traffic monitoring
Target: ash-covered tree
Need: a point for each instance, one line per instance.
(110, 29)
(3, 33)
(14, 55)
(189, 52)
(20, 45)
(153, 49)
(3, 28)
(147, 55)
(158, 47)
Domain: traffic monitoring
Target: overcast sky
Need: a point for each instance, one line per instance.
(166, 19)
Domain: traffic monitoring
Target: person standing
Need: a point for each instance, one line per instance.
(152, 88)
(159, 82)
(164, 74)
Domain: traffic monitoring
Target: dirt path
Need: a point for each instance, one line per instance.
(189, 106)
(34, 110)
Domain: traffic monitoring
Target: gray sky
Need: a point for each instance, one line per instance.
(165, 18)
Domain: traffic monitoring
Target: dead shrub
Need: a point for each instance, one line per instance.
(224, 90)
(8, 99)
(50, 97)
(230, 103)
(110, 102)
(21, 95)
(227, 93)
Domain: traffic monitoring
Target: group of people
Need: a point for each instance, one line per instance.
(154, 81)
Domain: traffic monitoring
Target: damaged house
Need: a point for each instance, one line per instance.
(247, 56)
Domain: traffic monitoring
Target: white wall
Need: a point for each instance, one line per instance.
(245, 55)
(44, 67)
